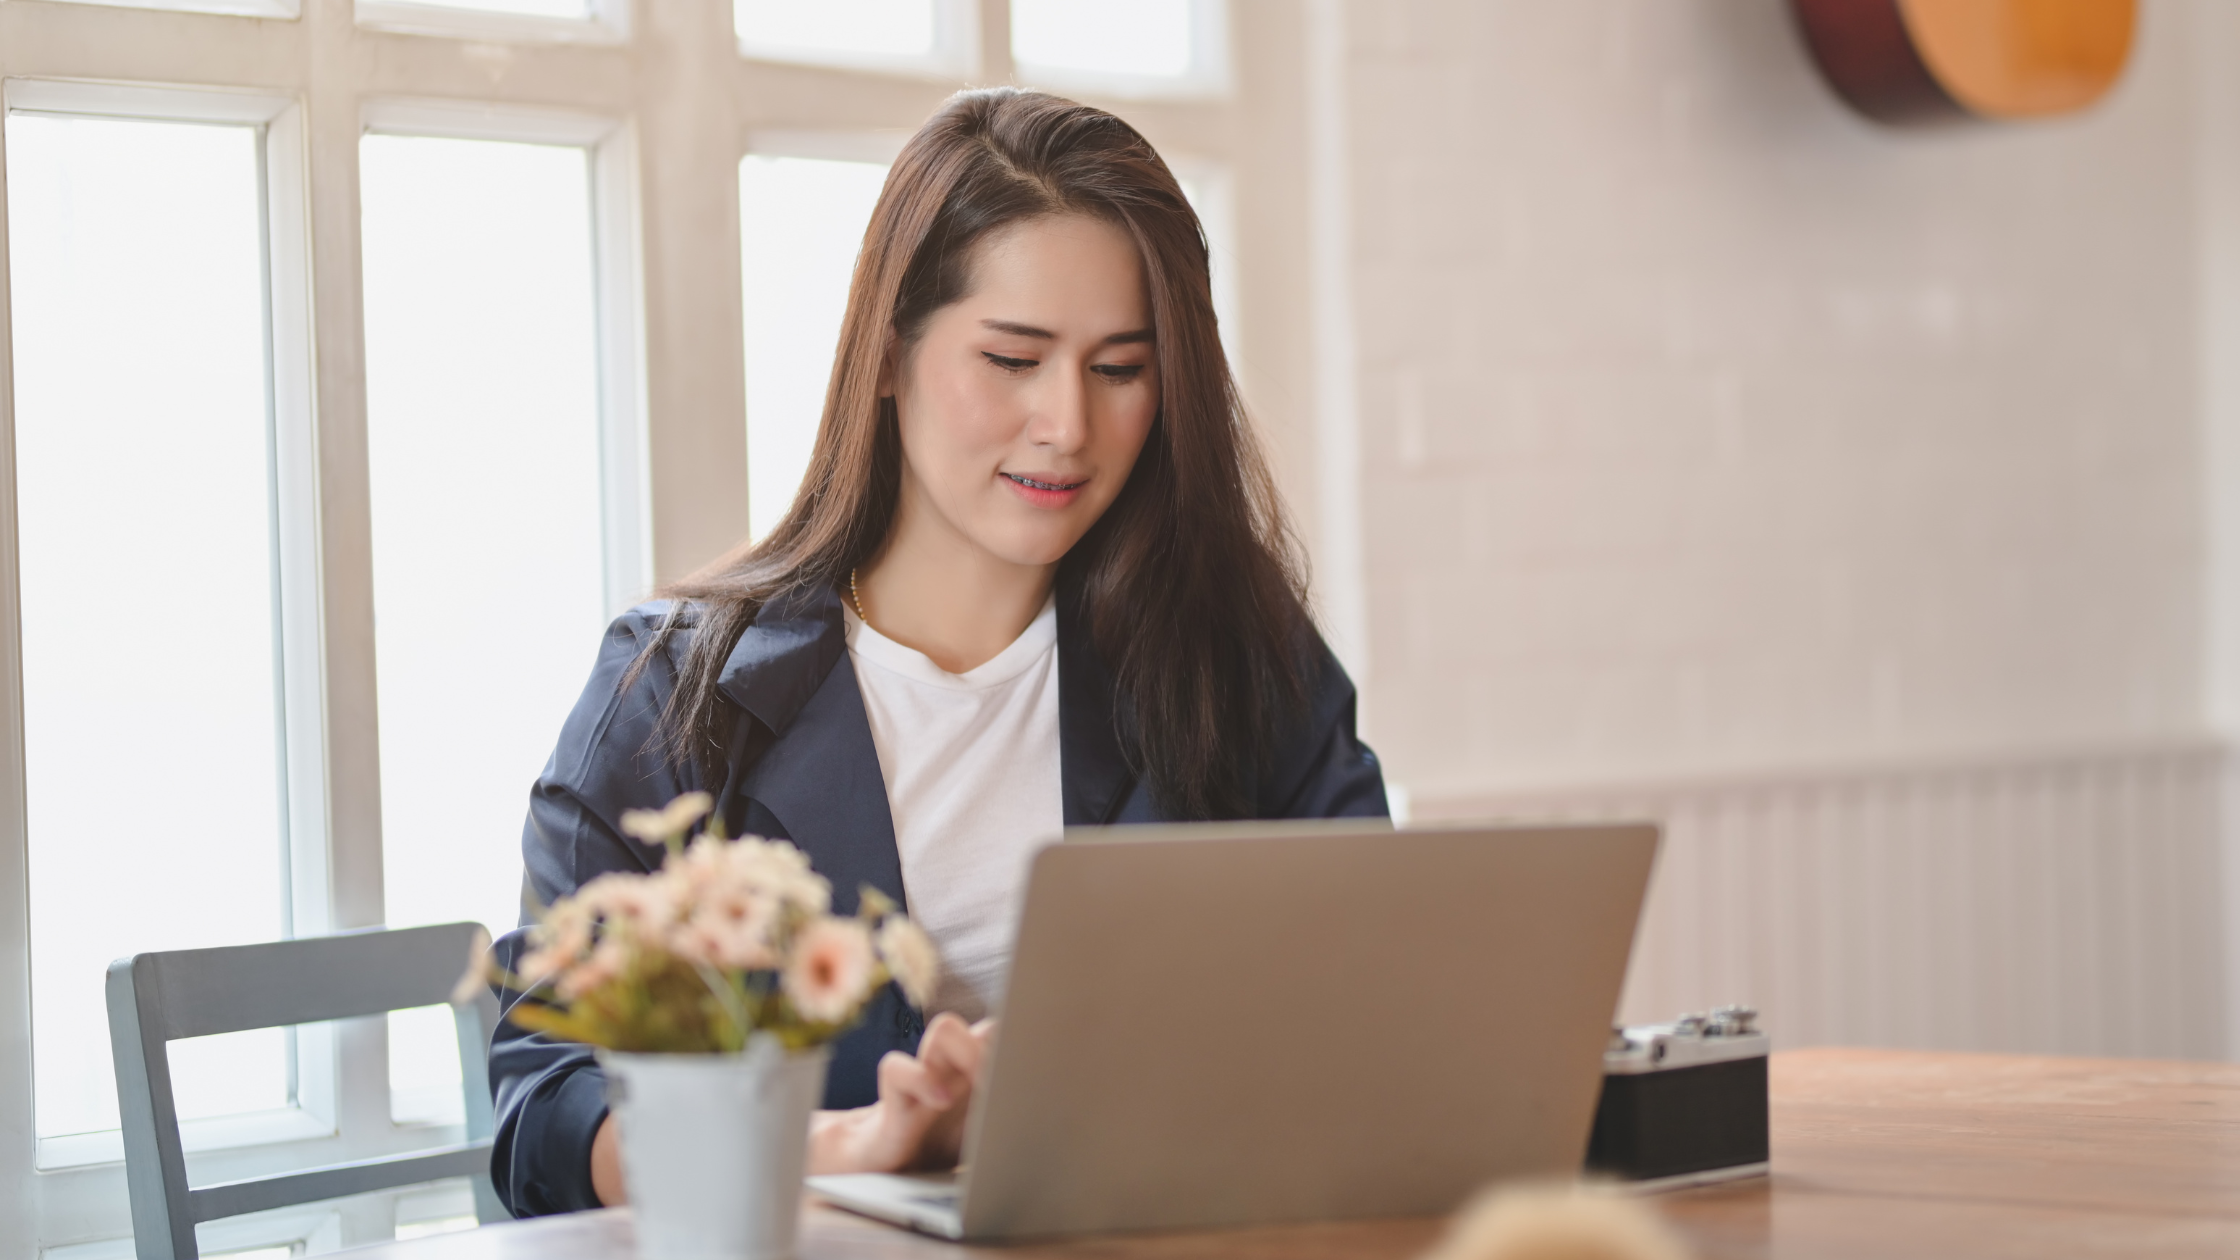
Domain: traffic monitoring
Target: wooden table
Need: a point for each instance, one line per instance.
(1876, 1153)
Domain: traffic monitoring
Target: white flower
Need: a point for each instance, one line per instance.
(646, 904)
(770, 870)
(471, 981)
(657, 826)
(783, 870)
(561, 936)
(910, 957)
(830, 971)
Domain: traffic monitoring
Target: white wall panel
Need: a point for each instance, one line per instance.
(2062, 905)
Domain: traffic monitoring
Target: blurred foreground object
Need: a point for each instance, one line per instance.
(1925, 62)
(1557, 1223)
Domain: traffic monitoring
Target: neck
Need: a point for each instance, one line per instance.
(935, 591)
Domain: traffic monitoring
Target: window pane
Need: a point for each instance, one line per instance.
(143, 500)
(482, 434)
(1142, 37)
(1207, 188)
(801, 222)
(877, 28)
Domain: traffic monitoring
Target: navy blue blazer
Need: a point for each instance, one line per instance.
(802, 767)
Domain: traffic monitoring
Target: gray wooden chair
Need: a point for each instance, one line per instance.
(158, 998)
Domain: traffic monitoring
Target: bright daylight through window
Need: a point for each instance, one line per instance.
(151, 707)
(483, 436)
(874, 28)
(801, 222)
(1149, 38)
(526, 8)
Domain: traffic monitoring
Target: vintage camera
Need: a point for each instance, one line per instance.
(1683, 1103)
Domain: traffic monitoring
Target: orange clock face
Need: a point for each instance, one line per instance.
(1912, 61)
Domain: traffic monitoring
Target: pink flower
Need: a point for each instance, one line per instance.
(830, 971)
(606, 963)
(729, 927)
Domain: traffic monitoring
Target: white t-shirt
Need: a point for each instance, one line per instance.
(971, 764)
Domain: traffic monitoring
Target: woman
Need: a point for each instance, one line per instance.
(1036, 576)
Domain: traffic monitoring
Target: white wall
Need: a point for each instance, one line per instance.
(1835, 493)
(1706, 426)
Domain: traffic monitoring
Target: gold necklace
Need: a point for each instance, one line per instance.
(856, 597)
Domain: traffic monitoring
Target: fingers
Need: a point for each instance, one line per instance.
(908, 1081)
(952, 1051)
(919, 1119)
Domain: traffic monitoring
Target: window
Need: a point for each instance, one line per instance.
(331, 451)
(483, 454)
(145, 572)
(933, 37)
(1144, 48)
(801, 222)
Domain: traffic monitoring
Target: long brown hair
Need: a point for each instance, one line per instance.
(1189, 584)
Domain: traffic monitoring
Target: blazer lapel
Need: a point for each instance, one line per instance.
(821, 781)
(820, 776)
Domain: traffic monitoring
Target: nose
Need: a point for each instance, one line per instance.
(1060, 419)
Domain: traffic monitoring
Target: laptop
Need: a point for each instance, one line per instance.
(1254, 1023)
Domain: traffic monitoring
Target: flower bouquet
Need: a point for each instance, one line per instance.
(713, 988)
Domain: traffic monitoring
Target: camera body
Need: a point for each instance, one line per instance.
(1683, 1103)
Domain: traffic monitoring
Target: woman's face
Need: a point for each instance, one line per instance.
(1024, 403)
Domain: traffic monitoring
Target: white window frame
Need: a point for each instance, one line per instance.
(285, 10)
(605, 22)
(669, 104)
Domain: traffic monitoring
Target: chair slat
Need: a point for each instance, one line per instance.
(232, 1198)
(235, 988)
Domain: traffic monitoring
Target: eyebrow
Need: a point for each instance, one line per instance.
(1135, 337)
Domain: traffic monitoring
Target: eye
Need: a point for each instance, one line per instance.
(1118, 373)
(1009, 364)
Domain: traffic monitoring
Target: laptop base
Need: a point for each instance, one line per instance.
(923, 1202)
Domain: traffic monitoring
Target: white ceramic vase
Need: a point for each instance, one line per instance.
(715, 1146)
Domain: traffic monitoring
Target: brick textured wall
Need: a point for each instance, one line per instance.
(1707, 426)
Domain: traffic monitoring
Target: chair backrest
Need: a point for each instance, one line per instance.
(162, 997)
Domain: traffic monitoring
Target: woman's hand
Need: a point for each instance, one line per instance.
(918, 1121)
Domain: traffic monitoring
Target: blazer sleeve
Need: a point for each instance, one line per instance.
(1321, 769)
(550, 1095)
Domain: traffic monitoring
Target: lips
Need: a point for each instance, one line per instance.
(1032, 484)
(1044, 492)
